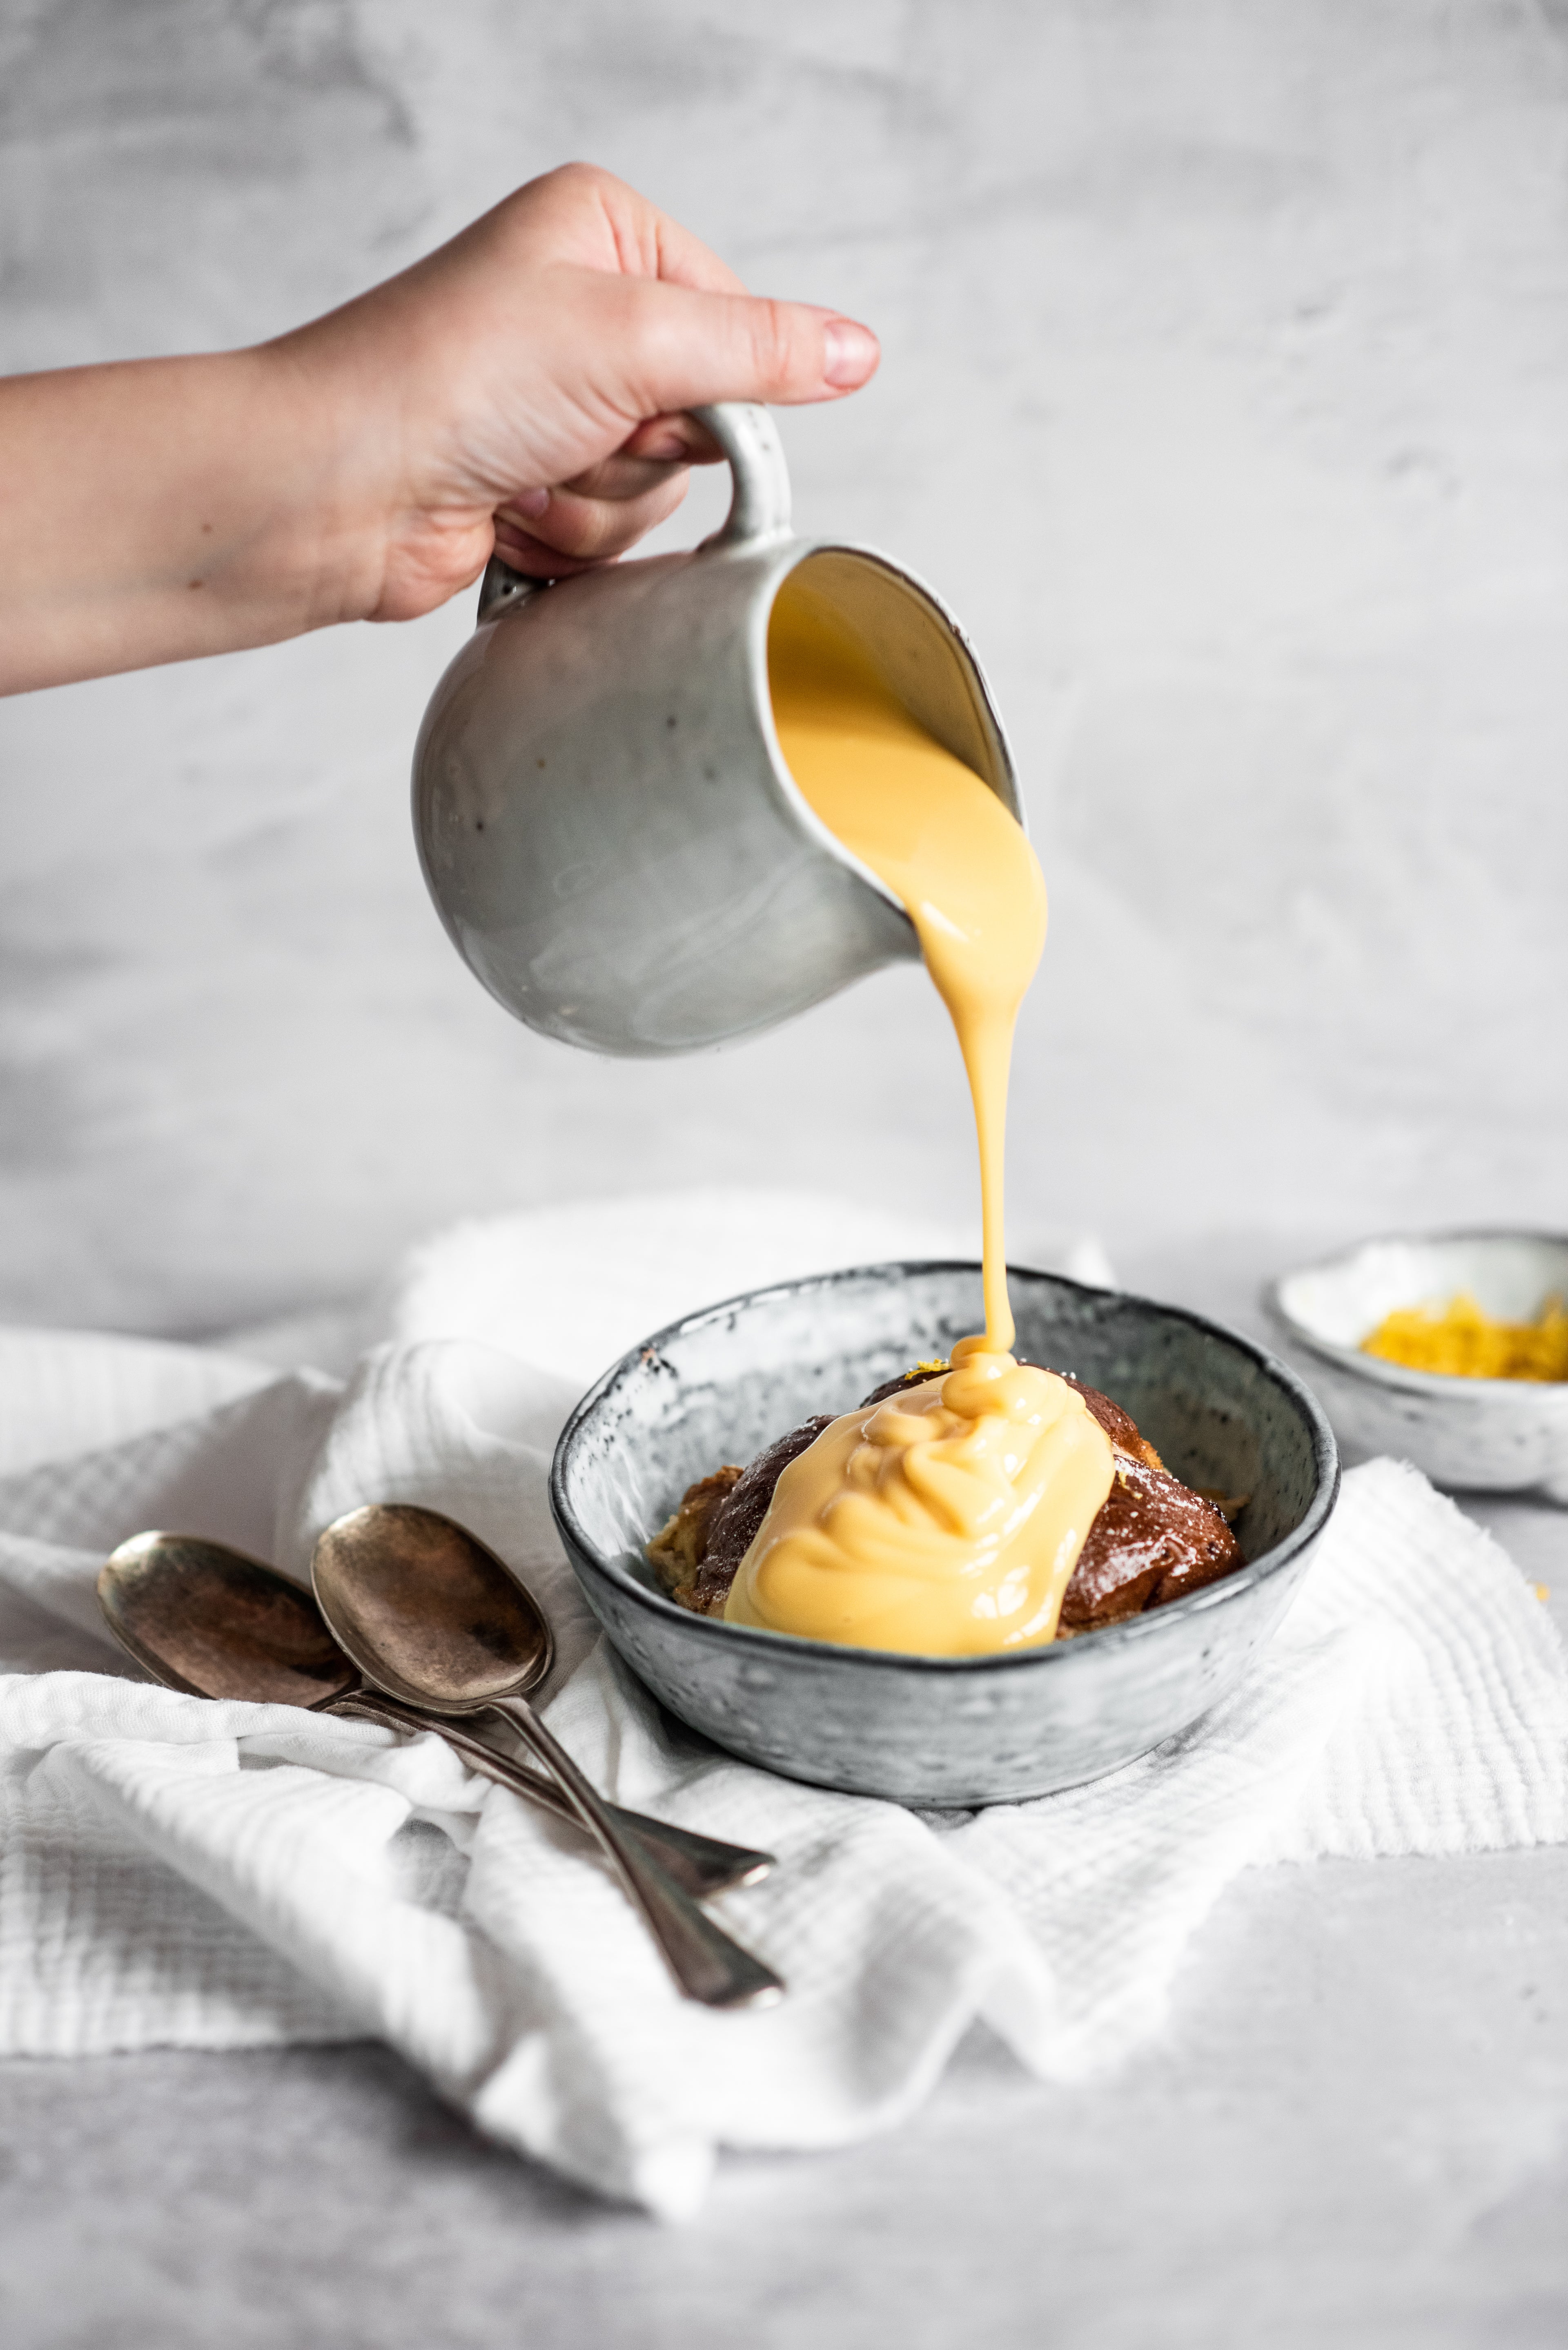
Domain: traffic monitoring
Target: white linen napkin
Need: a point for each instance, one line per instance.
(177, 1872)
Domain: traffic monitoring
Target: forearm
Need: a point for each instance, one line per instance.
(161, 509)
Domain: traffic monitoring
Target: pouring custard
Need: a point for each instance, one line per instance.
(989, 1504)
(947, 1520)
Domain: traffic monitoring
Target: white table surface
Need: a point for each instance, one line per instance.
(1356, 2130)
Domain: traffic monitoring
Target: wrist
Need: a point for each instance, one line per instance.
(308, 542)
(372, 531)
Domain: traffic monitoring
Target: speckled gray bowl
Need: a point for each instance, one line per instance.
(944, 1733)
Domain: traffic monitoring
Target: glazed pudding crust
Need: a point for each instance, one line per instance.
(697, 1559)
(1153, 1540)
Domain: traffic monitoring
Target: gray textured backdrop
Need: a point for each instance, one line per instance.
(1226, 345)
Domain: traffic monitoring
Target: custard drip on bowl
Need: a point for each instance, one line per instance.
(946, 1521)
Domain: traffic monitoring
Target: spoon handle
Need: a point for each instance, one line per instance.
(706, 1962)
(700, 1864)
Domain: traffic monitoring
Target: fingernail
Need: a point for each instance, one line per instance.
(531, 503)
(849, 353)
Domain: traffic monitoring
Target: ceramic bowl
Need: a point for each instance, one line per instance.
(942, 1732)
(1494, 1436)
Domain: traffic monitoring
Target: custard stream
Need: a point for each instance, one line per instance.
(946, 1521)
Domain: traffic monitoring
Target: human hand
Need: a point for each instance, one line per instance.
(523, 388)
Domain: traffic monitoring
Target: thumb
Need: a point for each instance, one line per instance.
(680, 348)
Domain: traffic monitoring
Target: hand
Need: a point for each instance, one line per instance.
(522, 390)
(523, 387)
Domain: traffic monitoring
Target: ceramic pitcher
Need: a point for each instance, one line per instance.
(604, 817)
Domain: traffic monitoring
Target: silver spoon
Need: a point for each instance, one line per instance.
(210, 1621)
(433, 1618)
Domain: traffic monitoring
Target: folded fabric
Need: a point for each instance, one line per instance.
(180, 1872)
(574, 1286)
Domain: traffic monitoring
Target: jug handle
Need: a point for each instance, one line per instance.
(759, 510)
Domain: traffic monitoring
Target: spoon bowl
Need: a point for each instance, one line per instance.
(213, 1622)
(447, 1622)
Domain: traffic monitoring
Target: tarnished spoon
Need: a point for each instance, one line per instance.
(207, 1619)
(433, 1618)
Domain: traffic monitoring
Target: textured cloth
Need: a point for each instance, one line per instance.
(178, 1872)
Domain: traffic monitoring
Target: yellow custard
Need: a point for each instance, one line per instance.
(945, 1523)
(948, 1520)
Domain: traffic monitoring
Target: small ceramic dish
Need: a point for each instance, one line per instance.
(1499, 1436)
(943, 1733)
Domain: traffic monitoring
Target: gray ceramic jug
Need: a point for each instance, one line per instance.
(604, 820)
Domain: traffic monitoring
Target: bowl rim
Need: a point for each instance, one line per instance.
(1229, 1589)
(1377, 1368)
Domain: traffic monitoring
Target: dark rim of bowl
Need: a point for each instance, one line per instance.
(1325, 1462)
(1375, 1369)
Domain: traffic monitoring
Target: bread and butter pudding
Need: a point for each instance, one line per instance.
(758, 1544)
